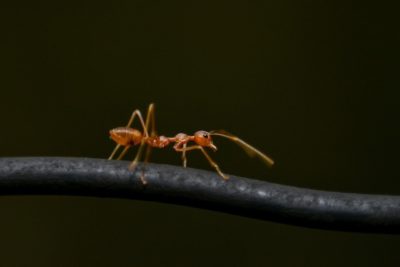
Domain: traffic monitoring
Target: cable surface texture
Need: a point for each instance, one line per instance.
(202, 189)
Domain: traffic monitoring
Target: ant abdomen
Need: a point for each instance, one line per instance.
(126, 136)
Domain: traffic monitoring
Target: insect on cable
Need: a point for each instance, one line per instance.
(127, 137)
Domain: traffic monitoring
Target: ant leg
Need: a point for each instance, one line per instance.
(184, 159)
(114, 151)
(150, 122)
(146, 160)
(212, 163)
(210, 160)
(132, 118)
(123, 152)
(150, 119)
(181, 146)
(139, 114)
(147, 154)
(134, 163)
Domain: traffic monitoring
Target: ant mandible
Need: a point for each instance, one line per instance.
(128, 137)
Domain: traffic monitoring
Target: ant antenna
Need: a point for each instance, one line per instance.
(250, 150)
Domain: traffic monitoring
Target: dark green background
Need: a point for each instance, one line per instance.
(312, 83)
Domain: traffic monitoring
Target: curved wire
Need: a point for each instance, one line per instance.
(202, 189)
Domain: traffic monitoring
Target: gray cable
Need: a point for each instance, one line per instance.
(203, 189)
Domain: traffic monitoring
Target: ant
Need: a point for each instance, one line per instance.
(128, 137)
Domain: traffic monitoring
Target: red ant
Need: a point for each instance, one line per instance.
(128, 137)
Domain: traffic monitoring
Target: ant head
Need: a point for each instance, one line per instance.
(203, 138)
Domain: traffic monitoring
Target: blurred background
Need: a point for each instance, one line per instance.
(314, 84)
